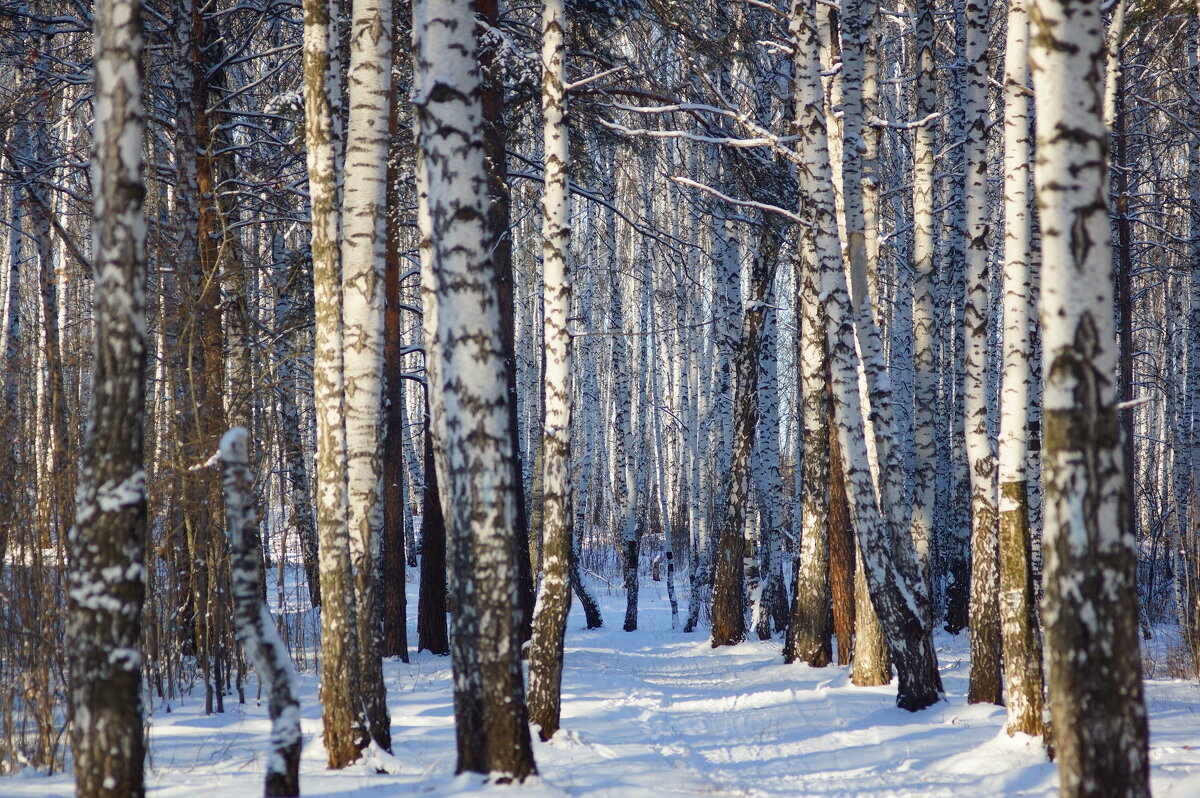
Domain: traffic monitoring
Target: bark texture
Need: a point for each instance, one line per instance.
(108, 542)
(1090, 609)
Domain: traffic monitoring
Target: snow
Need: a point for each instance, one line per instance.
(657, 713)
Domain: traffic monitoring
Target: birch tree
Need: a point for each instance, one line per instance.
(345, 727)
(554, 596)
(984, 627)
(468, 396)
(108, 542)
(364, 242)
(894, 590)
(256, 628)
(1090, 608)
(1022, 640)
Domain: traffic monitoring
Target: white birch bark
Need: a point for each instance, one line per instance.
(1090, 608)
(108, 580)
(554, 596)
(984, 627)
(363, 250)
(345, 730)
(255, 626)
(1022, 644)
(894, 587)
(469, 397)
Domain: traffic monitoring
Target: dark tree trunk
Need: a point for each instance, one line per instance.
(841, 553)
(432, 635)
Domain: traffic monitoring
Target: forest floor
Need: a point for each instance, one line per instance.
(658, 713)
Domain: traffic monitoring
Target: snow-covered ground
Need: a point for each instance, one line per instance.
(658, 713)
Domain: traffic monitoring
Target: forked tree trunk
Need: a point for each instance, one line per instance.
(729, 589)
(888, 556)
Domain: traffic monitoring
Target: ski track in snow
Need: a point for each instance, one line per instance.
(656, 713)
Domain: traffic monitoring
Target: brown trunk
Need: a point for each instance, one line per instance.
(431, 604)
(841, 553)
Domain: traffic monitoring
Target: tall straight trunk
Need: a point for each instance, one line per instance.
(1189, 609)
(495, 145)
(468, 397)
(364, 252)
(256, 628)
(984, 627)
(841, 552)
(345, 727)
(397, 521)
(1021, 636)
(924, 305)
(888, 557)
(1090, 608)
(432, 634)
(808, 637)
(554, 598)
(107, 584)
(771, 610)
(729, 589)
(291, 282)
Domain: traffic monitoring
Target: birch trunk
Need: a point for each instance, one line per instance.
(554, 598)
(984, 627)
(924, 314)
(1090, 608)
(895, 591)
(255, 626)
(728, 607)
(108, 581)
(808, 637)
(364, 244)
(345, 730)
(469, 397)
(1022, 640)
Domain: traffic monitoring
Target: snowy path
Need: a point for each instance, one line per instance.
(656, 713)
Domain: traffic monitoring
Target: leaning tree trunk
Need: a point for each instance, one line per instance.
(364, 245)
(255, 626)
(108, 582)
(1022, 639)
(888, 558)
(1091, 604)
(469, 396)
(345, 731)
(554, 600)
(984, 628)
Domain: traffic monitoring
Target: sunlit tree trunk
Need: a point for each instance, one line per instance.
(1022, 639)
(364, 243)
(468, 396)
(554, 597)
(984, 628)
(1090, 608)
(345, 730)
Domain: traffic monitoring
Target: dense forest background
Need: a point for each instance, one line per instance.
(701, 398)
